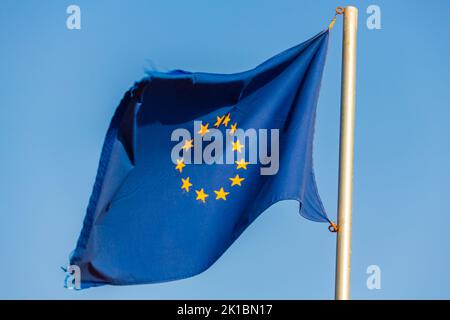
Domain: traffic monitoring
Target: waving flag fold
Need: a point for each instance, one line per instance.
(153, 219)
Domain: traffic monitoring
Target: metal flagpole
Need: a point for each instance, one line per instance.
(343, 247)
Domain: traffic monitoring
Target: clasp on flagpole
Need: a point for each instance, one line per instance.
(333, 227)
(339, 10)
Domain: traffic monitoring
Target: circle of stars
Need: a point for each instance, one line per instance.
(220, 194)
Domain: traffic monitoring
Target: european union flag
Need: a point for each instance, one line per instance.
(191, 159)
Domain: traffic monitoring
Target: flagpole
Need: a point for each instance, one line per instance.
(344, 234)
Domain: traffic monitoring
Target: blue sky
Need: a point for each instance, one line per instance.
(59, 89)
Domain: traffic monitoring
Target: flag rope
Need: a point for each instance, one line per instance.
(339, 10)
(333, 227)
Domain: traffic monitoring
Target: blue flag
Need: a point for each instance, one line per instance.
(190, 160)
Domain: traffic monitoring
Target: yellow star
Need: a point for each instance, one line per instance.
(180, 165)
(221, 194)
(188, 144)
(219, 121)
(237, 146)
(226, 120)
(236, 180)
(233, 128)
(203, 129)
(242, 164)
(186, 184)
(201, 195)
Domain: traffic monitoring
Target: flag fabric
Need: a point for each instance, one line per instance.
(155, 214)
